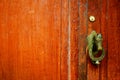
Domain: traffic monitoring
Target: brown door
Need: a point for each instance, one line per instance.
(46, 39)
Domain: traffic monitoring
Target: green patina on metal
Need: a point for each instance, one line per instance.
(94, 46)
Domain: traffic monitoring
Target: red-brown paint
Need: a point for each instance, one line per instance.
(46, 39)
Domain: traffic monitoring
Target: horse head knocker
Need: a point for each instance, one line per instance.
(94, 46)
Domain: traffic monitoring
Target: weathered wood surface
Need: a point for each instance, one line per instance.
(46, 39)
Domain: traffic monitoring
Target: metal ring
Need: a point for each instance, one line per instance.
(93, 58)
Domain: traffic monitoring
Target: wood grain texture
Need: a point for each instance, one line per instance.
(73, 38)
(30, 39)
(94, 9)
(64, 40)
(83, 19)
(104, 31)
(46, 39)
(113, 40)
(107, 22)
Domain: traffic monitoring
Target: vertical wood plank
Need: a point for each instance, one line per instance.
(113, 40)
(64, 41)
(73, 38)
(83, 5)
(94, 9)
(30, 39)
(104, 31)
(7, 38)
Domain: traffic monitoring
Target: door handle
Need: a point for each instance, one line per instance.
(95, 46)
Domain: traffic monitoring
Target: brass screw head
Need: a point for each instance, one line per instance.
(92, 18)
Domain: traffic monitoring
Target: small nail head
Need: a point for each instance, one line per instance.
(92, 18)
(97, 62)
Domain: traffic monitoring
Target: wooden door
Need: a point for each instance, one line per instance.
(107, 14)
(46, 39)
